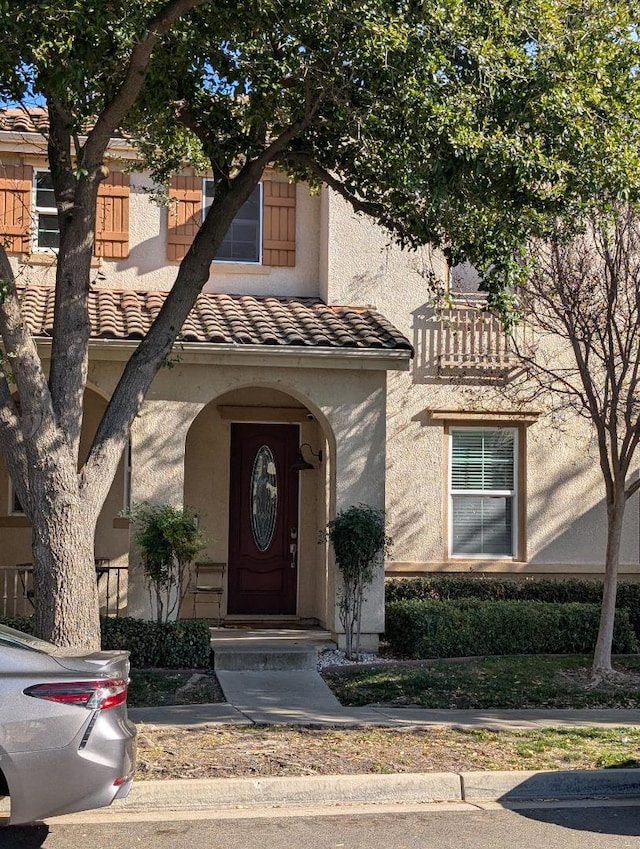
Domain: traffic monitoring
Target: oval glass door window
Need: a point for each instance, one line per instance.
(263, 492)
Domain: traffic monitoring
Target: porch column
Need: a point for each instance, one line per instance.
(359, 476)
(158, 438)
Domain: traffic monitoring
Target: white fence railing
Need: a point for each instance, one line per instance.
(471, 337)
(17, 591)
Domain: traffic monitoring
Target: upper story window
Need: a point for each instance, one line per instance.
(263, 232)
(29, 218)
(483, 497)
(46, 230)
(244, 238)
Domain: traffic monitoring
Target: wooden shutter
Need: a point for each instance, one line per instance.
(16, 184)
(279, 225)
(112, 217)
(185, 215)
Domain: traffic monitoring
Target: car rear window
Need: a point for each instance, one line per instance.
(9, 636)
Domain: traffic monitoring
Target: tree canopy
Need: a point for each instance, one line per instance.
(463, 124)
(467, 124)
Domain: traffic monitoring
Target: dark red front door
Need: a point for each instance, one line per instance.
(263, 520)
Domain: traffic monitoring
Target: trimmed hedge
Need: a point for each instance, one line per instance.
(428, 628)
(183, 644)
(442, 587)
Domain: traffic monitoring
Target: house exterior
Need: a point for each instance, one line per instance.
(313, 339)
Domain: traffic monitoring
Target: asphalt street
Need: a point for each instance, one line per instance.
(585, 826)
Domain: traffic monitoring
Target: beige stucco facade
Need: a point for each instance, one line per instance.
(381, 422)
(562, 511)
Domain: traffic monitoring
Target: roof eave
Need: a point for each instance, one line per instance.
(21, 141)
(213, 353)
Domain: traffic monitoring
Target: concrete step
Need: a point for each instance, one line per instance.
(256, 658)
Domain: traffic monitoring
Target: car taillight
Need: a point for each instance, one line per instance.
(94, 695)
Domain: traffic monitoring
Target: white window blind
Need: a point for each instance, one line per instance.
(483, 492)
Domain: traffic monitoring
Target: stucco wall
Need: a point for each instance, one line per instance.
(346, 410)
(147, 269)
(565, 512)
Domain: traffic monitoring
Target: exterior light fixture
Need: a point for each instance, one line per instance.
(302, 465)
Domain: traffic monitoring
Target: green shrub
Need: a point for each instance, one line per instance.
(173, 645)
(445, 587)
(20, 623)
(430, 628)
(359, 541)
(169, 539)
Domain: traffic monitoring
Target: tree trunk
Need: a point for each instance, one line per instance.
(602, 666)
(64, 575)
(63, 521)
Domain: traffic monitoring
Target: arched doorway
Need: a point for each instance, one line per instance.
(262, 513)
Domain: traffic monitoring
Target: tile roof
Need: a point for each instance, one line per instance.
(22, 120)
(227, 320)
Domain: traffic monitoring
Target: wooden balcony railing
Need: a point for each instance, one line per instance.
(472, 338)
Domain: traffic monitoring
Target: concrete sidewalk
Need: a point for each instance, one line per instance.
(301, 697)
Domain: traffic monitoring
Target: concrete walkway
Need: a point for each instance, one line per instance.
(298, 696)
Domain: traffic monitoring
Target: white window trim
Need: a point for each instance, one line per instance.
(126, 485)
(248, 262)
(513, 493)
(38, 210)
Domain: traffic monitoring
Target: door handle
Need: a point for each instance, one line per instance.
(293, 548)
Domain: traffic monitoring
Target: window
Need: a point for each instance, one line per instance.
(483, 492)
(15, 508)
(46, 231)
(126, 492)
(243, 240)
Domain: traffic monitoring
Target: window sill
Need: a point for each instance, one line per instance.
(121, 522)
(239, 268)
(46, 258)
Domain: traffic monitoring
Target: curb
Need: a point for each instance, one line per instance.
(194, 794)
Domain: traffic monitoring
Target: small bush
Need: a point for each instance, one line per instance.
(20, 623)
(429, 628)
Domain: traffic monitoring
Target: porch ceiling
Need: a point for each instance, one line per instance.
(227, 320)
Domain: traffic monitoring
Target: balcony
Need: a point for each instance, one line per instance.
(471, 340)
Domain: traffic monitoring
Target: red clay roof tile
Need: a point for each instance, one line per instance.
(227, 319)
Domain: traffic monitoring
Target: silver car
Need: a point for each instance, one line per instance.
(65, 741)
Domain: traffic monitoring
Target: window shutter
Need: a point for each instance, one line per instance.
(15, 207)
(279, 225)
(112, 217)
(184, 215)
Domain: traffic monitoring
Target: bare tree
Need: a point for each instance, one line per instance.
(582, 304)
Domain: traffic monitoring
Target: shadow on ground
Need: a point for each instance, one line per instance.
(24, 836)
(596, 820)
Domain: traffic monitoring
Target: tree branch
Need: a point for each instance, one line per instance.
(306, 161)
(134, 76)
